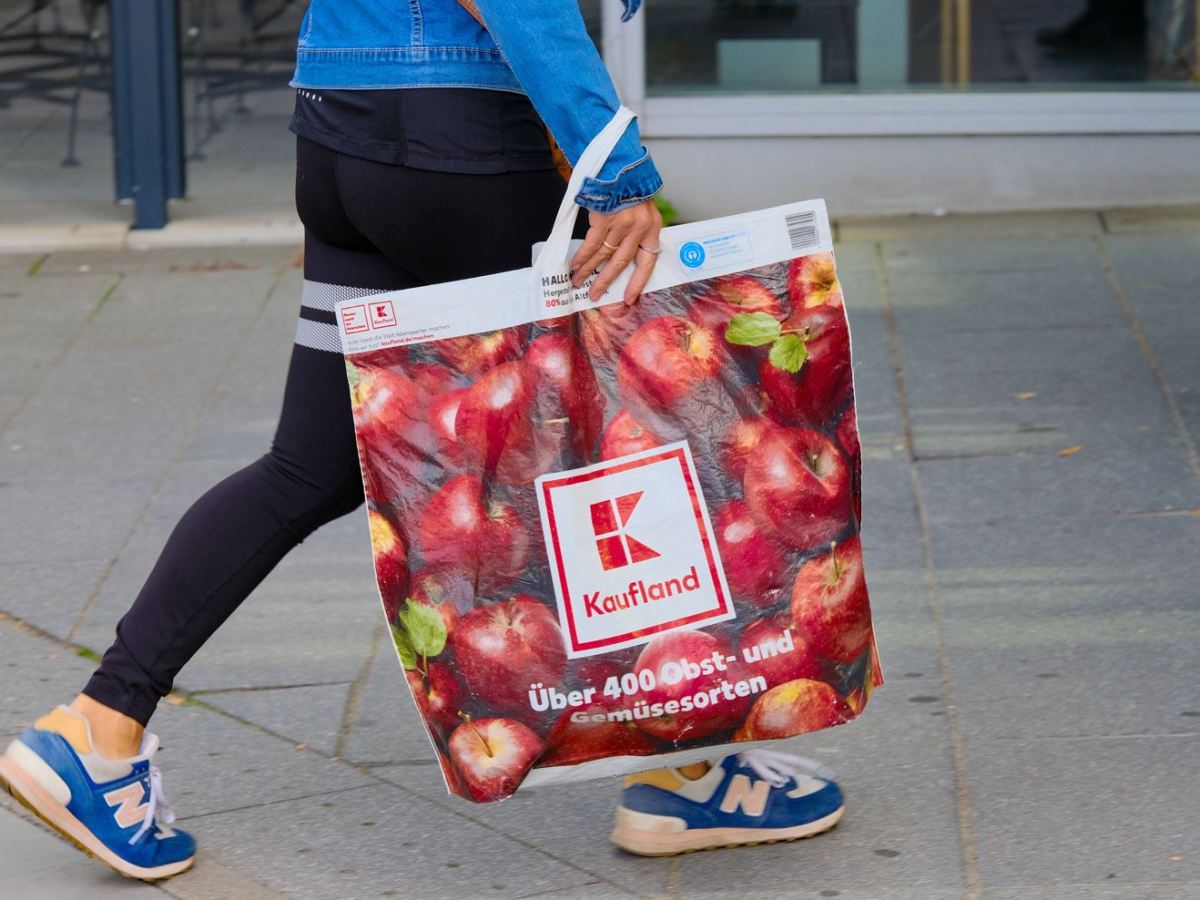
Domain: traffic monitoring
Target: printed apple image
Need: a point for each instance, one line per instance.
(581, 735)
(443, 413)
(492, 756)
(754, 563)
(809, 385)
(661, 656)
(474, 354)
(391, 561)
(795, 707)
(741, 441)
(847, 434)
(561, 365)
(438, 695)
(813, 281)
(725, 297)
(829, 603)
(774, 649)
(495, 425)
(463, 526)
(605, 330)
(625, 435)
(667, 361)
(503, 648)
(433, 378)
(387, 406)
(444, 589)
(798, 485)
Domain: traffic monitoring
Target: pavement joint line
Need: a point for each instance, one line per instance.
(279, 801)
(57, 360)
(28, 628)
(36, 265)
(189, 436)
(1135, 325)
(357, 689)
(962, 789)
(1158, 735)
(673, 873)
(210, 692)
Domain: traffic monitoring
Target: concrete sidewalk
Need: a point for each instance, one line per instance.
(1029, 394)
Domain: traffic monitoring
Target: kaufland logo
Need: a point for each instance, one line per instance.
(615, 547)
(632, 551)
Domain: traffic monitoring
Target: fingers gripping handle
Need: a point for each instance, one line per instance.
(554, 253)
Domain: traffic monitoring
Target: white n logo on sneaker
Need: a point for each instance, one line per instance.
(132, 810)
(752, 798)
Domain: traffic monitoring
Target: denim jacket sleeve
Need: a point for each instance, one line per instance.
(549, 51)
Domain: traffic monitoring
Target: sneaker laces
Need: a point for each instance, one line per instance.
(156, 808)
(779, 768)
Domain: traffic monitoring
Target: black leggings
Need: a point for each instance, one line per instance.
(369, 227)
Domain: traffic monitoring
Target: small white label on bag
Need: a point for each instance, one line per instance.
(632, 551)
(716, 251)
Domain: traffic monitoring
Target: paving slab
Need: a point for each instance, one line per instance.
(1047, 811)
(35, 675)
(379, 839)
(51, 867)
(310, 715)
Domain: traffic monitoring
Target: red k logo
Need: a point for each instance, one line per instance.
(616, 548)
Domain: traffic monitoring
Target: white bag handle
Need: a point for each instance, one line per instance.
(554, 253)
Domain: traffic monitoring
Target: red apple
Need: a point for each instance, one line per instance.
(605, 330)
(391, 561)
(775, 650)
(463, 526)
(667, 361)
(496, 425)
(741, 442)
(445, 589)
(561, 364)
(754, 563)
(701, 649)
(829, 603)
(438, 695)
(473, 354)
(433, 378)
(503, 648)
(624, 436)
(795, 707)
(847, 434)
(387, 405)
(443, 413)
(723, 298)
(813, 281)
(798, 485)
(814, 393)
(581, 735)
(492, 756)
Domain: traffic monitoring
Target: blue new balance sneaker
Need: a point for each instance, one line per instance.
(112, 809)
(755, 797)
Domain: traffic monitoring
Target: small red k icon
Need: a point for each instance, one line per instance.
(616, 548)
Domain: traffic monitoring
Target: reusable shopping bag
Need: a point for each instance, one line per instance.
(607, 537)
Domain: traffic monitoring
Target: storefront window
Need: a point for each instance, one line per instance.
(879, 45)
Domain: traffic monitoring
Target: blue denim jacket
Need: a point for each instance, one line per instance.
(537, 47)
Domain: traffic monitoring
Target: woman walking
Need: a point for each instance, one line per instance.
(421, 131)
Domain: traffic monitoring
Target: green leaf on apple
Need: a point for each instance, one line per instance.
(404, 647)
(425, 628)
(752, 329)
(352, 374)
(788, 353)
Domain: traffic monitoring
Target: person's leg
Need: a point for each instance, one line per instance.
(220, 550)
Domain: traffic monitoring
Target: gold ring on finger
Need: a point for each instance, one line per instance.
(609, 247)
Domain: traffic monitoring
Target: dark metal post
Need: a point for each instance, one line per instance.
(147, 107)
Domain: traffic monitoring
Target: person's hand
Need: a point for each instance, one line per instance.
(614, 241)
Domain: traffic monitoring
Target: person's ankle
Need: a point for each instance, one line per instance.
(114, 735)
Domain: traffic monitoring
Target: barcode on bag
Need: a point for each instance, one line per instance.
(802, 230)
